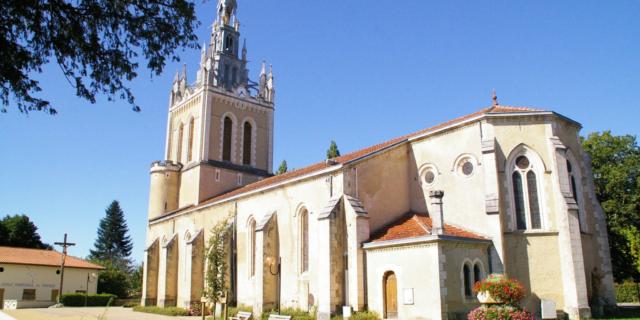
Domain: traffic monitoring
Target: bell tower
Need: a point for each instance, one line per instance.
(220, 126)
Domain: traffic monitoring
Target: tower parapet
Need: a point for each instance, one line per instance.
(164, 191)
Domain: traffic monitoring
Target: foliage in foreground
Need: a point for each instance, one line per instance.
(615, 162)
(92, 300)
(97, 44)
(168, 311)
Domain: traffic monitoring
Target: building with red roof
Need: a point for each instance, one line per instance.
(31, 277)
(403, 227)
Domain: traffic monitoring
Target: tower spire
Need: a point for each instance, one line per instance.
(494, 97)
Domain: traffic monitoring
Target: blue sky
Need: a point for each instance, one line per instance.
(357, 71)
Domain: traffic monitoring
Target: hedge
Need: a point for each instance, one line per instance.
(168, 311)
(627, 291)
(92, 300)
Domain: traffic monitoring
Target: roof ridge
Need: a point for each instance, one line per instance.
(420, 223)
(314, 167)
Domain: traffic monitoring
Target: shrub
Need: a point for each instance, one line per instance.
(92, 300)
(499, 313)
(364, 315)
(501, 288)
(130, 304)
(627, 291)
(168, 311)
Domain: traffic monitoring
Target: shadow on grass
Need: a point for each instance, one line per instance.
(623, 312)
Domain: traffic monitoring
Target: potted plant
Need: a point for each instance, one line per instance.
(498, 289)
(499, 296)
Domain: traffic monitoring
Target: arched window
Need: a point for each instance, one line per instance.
(525, 194)
(468, 285)
(574, 192)
(477, 273)
(180, 135)
(246, 144)
(252, 247)
(190, 146)
(226, 139)
(304, 240)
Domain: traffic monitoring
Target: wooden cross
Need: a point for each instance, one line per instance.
(64, 245)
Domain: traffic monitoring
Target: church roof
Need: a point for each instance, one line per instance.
(39, 257)
(353, 156)
(413, 225)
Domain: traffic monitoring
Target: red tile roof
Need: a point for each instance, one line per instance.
(40, 257)
(363, 152)
(414, 225)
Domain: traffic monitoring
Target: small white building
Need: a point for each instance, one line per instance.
(30, 278)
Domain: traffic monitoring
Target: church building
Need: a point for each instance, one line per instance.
(403, 228)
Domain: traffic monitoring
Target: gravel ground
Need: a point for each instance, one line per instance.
(89, 313)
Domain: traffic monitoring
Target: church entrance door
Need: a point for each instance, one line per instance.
(390, 296)
(1, 298)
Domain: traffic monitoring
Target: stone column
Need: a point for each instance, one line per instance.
(330, 262)
(184, 290)
(162, 276)
(258, 278)
(576, 303)
(437, 214)
(150, 278)
(495, 227)
(357, 234)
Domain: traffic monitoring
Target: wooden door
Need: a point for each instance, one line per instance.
(1, 298)
(390, 296)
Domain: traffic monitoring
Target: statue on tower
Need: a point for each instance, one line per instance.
(226, 9)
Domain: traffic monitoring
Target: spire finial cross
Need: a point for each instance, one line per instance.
(494, 97)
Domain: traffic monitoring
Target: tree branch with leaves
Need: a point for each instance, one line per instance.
(97, 44)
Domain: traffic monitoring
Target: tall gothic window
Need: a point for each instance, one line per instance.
(468, 285)
(180, 135)
(304, 240)
(246, 144)
(477, 273)
(252, 247)
(525, 192)
(190, 146)
(574, 191)
(226, 139)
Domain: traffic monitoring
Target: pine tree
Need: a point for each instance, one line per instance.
(113, 243)
(283, 167)
(333, 151)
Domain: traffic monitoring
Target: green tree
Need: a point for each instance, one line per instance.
(113, 279)
(98, 45)
(282, 168)
(616, 173)
(19, 231)
(136, 281)
(333, 151)
(216, 257)
(113, 243)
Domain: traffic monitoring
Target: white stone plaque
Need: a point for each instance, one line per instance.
(407, 296)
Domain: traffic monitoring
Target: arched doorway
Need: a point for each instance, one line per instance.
(390, 295)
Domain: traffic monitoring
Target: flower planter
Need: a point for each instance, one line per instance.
(485, 297)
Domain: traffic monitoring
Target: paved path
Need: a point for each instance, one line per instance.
(89, 313)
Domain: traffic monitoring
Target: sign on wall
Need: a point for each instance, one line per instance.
(407, 296)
